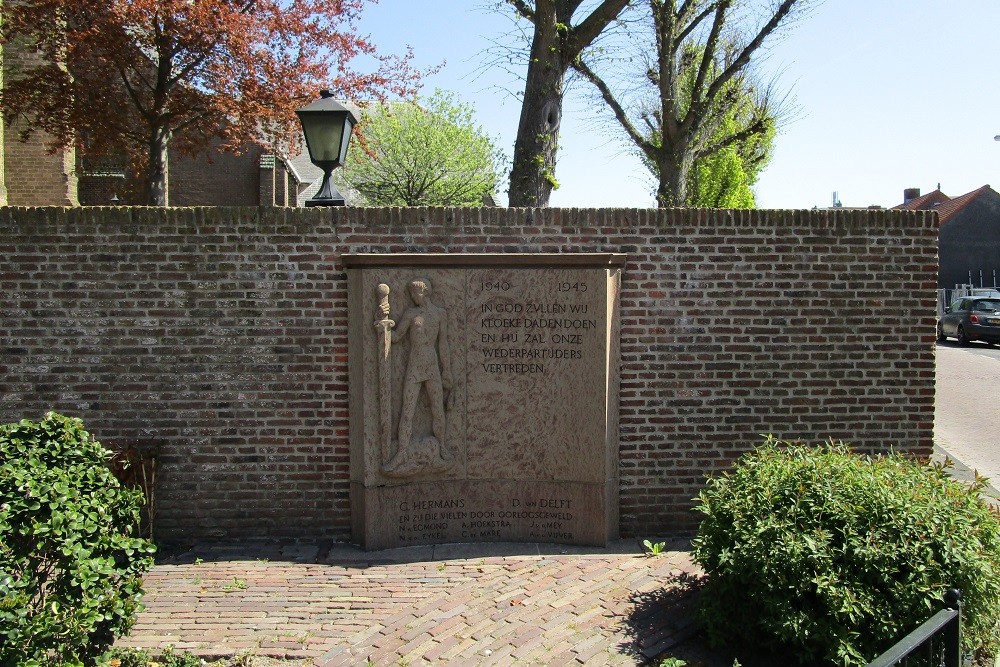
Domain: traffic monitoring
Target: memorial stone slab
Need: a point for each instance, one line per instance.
(483, 397)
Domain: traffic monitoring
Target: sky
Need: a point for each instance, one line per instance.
(888, 94)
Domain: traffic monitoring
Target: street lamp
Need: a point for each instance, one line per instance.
(327, 126)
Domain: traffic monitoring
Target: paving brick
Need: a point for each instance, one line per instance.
(491, 618)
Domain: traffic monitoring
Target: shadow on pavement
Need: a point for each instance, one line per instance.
(349, 555)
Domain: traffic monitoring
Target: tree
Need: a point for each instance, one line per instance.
(726, 178)
(142, 76)
(700, 43)
(428, 153)
(557, 41)
(723, 179)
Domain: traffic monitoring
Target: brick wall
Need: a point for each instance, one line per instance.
(218, 178)
(31, 174)
(34, 176)
(221, 336)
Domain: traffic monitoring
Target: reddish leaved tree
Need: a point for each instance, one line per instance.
(136, 77)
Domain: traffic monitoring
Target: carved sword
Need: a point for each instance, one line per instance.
(384, 325)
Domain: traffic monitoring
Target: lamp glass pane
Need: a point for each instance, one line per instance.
(346, 139)
(324, 134)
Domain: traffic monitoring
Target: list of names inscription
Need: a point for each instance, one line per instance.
(542, 519)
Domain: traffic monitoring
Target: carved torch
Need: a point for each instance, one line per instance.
(384, 326)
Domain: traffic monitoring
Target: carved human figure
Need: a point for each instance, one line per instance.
(428, 367)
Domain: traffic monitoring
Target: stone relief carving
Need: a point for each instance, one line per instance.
(423, 329)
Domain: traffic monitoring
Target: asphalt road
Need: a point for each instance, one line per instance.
(967, 407)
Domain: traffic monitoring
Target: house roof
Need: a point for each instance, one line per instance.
(947, 210)
(924, 202)
(947, 207)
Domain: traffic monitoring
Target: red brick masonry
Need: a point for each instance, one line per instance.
(219, 337)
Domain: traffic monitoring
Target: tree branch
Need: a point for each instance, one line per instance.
(583, 35)
(523, 8)
(620, 115)
(757, 127)
(695, 22)
(180, 127)
(190, 67)
(664, 25)
(132, 94)
(743, 59)
(700, 102)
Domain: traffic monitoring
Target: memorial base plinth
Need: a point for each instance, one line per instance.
(484, 511)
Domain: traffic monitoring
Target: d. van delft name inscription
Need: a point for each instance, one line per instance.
(538, 519)
(520, 337)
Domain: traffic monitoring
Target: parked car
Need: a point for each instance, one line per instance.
(971, 318)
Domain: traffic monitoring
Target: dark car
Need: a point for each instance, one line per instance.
(971, 318)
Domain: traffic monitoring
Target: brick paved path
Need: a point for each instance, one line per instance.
(488, 604)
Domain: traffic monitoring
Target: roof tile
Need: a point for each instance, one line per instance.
(925, 202)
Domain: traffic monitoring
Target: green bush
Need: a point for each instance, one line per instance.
(134, 657)
(70, 565)
(836, 556)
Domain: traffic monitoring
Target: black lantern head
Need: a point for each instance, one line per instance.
(327, 125)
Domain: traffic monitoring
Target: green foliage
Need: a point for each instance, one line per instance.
(654, 548)
(429, 153)
(183, 659)
(70, 565)
(236, 585)
(134, 657)
(837, 556)
(126, 657)
(672, 662)
(726, 178)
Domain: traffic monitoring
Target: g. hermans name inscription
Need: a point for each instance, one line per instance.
(544, 519)
(483, 397)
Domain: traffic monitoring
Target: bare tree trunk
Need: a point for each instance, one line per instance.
(157, 174)
(532, 177)
(674, 168)
(671, 191)
(556, 43)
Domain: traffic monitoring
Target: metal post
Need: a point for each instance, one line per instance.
(953, 632)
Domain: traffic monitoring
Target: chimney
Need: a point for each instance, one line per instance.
(909, 194)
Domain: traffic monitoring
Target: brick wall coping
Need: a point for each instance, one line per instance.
(621, 220)
(534, 260)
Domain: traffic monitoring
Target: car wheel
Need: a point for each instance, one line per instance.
(963, 340)
(940, 334)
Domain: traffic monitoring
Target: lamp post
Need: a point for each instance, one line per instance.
(327, 126)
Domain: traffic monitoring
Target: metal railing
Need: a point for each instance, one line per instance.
(936, 643)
